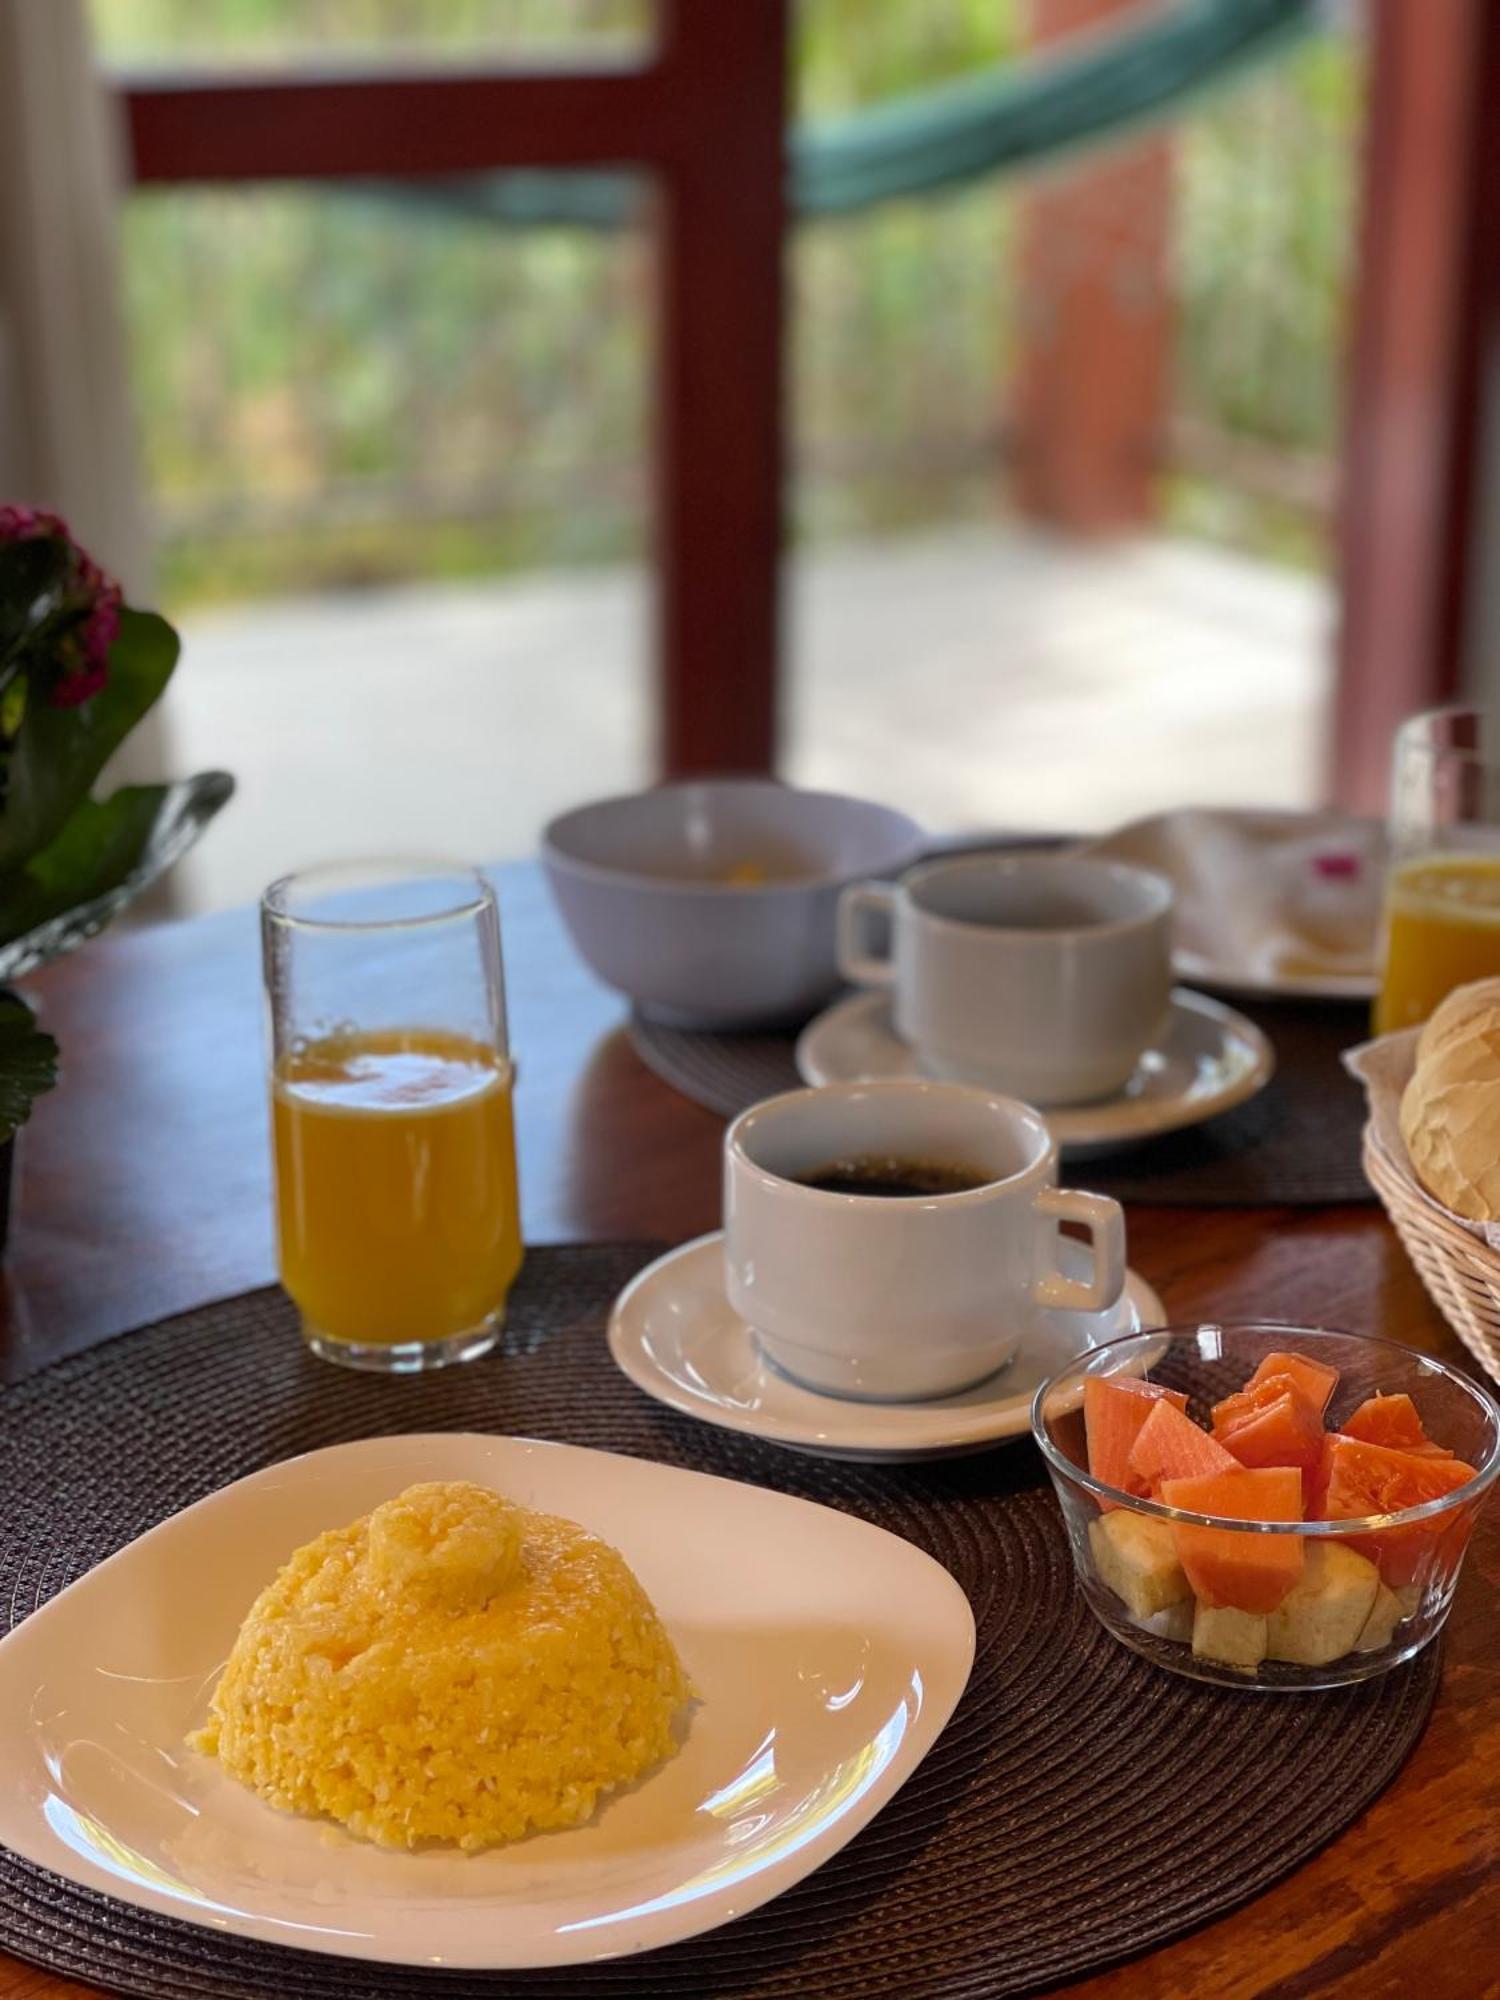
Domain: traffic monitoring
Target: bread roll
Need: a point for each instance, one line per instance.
(1450, 1110)
(1451, 1019)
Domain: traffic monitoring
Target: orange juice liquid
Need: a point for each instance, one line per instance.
(1442, 929)
(396, 1202)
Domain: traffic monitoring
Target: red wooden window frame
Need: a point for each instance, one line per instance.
(705, 117)
(1426, 317)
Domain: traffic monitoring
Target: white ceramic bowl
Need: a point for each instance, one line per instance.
(651, 888)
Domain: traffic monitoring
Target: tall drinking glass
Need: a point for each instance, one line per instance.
(1442, 905)
(397, 1215)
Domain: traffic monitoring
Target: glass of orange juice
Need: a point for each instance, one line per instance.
(397, 1213)
(1442, 901)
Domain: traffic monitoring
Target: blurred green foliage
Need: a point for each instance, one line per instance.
(335, 390)
(191, 31)
(1265, 225)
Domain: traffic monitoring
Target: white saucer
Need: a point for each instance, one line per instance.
(1209, 1059)
(673, 1332)
(1248, 982)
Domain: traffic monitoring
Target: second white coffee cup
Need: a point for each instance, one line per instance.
(895, 1297)
(1046, 976)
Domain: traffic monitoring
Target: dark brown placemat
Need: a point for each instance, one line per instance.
(1080, 1807)
(1298, 1142)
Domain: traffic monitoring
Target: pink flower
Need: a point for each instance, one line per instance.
(89, 617)
(24, 524)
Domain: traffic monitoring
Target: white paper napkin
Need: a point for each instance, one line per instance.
(1266, 897)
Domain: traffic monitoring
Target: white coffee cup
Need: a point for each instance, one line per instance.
(898, 1297)
(1046, 976)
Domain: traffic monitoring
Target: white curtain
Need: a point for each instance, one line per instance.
(66, 436)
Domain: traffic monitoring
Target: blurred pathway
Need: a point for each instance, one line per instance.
(977, 677)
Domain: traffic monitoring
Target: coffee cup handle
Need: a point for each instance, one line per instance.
(1105, 1222)
(856, 963)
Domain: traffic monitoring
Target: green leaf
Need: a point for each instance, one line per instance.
(61, 751)
(95, 851)
(109, 852)
(13, 703)
(28, 1063)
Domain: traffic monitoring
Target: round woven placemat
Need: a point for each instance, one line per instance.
(1297, 1143)
(1080, 1807)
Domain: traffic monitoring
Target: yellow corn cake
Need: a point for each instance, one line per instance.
(452, 1668)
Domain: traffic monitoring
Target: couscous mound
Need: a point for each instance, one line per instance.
(449, 1668)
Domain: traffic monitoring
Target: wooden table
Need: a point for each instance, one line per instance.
(144, 1191)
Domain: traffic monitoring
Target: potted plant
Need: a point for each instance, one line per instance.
(78, 669)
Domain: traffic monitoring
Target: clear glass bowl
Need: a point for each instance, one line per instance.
(1145, 1601)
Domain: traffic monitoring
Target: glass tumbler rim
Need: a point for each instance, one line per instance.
(478, 892)
(1413, 734)
(1060, 1464)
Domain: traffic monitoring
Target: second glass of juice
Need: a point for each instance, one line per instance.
(1442, 904)
(397, 1211)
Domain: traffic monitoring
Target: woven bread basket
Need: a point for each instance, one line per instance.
(1461, 1273)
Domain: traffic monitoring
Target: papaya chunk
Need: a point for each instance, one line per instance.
(1171, 1446)
(1392, 1421)
(1357, 1479)
(1114, 1409)
(1316, 1379)
(1228, 1569)
(1271, 1424)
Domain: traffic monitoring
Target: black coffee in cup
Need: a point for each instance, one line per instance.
(883, 1174)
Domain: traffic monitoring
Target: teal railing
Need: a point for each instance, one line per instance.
(1086, 91)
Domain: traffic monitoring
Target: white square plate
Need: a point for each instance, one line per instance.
(827, 1655)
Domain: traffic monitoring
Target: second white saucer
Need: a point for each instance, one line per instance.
(674, 1333)
(1208, 1060)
